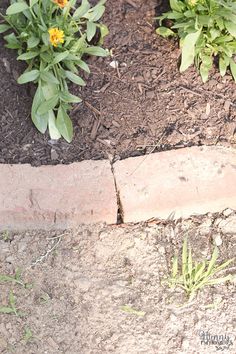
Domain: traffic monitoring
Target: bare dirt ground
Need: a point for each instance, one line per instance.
(99, 290)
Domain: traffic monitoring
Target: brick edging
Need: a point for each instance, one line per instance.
(177, 182)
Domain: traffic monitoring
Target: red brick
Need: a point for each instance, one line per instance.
(187, 181)
(56, 196)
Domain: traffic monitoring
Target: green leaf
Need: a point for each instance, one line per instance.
(12, 41)
(16, 8)
(12, 300)
(64, 124)
(219, 280)
(27, 56)
(176, 5)
(91, 30)
(82, 10)
(47, 105)
(188, 50)
(47, 76)
(223, 64)
(53, 131)
(49, 89)
(199, 271)
(190, 262)
(33, 42)
(104, 31)
(74, 78)
(28, 77)
(165, 32)
(130, 310)
(212, 261)
(33, 2)
(83, 66)
(97, 51)
(233, 68)
(60, 57)
(184, 257)
(223, 265)
(40, 121)
(96, 13)
(206, 66)
(16, 280)
(231, 28)
(45, 38)
(6, 310)
(69, 98)
(4, 28)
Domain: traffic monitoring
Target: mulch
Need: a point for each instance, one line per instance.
(144, 105)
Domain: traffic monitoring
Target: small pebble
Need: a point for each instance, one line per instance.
(54, 154)
(227, 212)
(217, 240)
(114, 64)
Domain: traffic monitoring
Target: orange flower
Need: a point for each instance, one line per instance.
(61, 3)
(56, 36)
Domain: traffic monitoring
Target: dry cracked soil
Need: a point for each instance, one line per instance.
(99, 289)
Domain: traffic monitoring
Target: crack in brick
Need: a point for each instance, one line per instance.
(120, 213)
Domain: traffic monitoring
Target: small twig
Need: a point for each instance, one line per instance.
(95, 110)
(190, 90)
(45, 255)
(95, 128)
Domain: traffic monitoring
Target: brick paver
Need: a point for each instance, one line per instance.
(177, 183)
(56, 196)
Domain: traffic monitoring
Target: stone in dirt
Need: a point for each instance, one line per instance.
(228, 226)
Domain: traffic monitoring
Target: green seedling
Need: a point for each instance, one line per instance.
(193, 276)
(128, 309)
(16, 279)
(5, 236)
(44, 298)
(11, 308)
(28, 335)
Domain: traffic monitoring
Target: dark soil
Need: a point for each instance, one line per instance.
(145, 105)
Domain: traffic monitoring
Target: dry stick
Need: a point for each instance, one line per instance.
(95, 110)
(44, 256)
(95, 128)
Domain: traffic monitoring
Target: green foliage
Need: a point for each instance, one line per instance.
(52, 37)
(193, 276)
(28, 335)
(11, 308)
(128, 309)
(206, 29)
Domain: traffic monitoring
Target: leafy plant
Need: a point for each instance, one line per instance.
(193, 276)
(16, 279)
(11, 308)
(52, 36)
(207, 31)
(28, 335)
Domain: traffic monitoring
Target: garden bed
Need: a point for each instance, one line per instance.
(142, 106)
